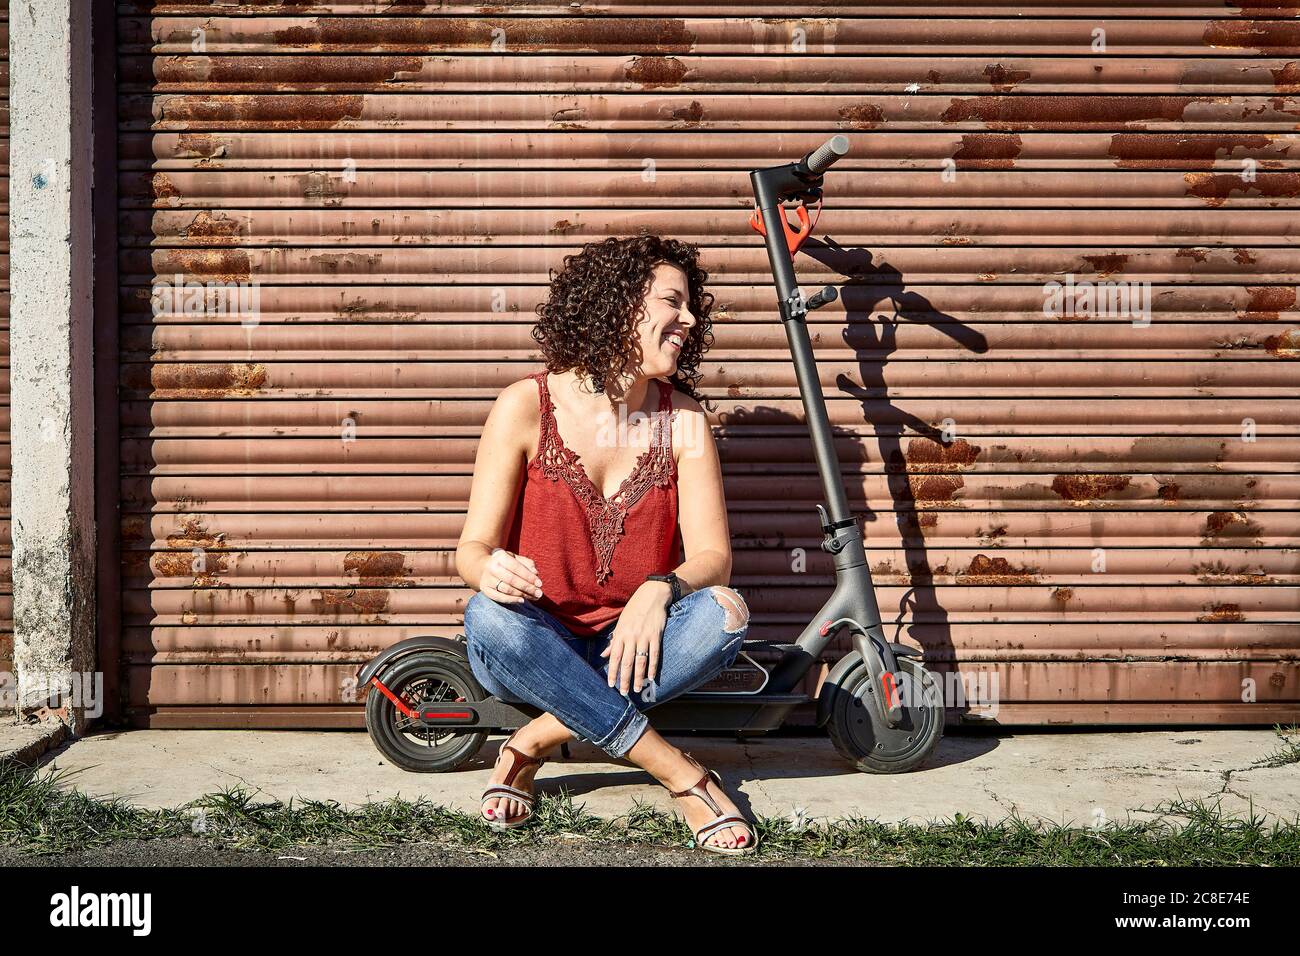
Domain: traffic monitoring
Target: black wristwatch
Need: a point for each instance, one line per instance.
(671, 580)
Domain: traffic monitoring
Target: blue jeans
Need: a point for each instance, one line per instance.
(522, 654)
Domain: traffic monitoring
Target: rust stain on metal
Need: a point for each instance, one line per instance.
(988, 151)
(1002, 79)
(655, 72)
(284, 111)
(1108, 264)
(563, 227)
(204, 147)
(349, 262)
(222, 265)
(1237, 343)
(1063, 596)
(1221, 613)
(1267, 301)
(523, 35)
(164, 190)
(990, 537)
(926, 454)
(917, 520)
(181, 565)
(1286, 79)
(570, 117)
(1052, 112)
(934, 489)
(691, 115)
(194, 533)
(1157, 150)
(1267, 36)
(1216, 188)
(1196, 255)
(192, 380)
(377, 569)
(283, 73)
(206, 226)
(986, 570)
(321, 187)
(1220, 573)
(1284, 346)
(1243, 257)
(861, 116)
(371, 603)
(1230, 525)
(1084, 488)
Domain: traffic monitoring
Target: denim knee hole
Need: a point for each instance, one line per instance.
(736, 617)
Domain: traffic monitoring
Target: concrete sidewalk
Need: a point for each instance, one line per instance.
(1059, 776)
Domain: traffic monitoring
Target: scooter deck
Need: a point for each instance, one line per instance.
(710, 713)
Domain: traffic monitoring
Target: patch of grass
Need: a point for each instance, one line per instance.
(39, 816)
(1289, 752)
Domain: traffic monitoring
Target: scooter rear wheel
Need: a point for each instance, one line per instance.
(873, 747)
(424, 678)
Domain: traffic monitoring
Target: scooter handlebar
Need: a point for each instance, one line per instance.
(821, 158)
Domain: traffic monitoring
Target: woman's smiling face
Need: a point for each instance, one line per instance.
(666, 321)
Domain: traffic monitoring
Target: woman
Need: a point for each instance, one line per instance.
(593, 478)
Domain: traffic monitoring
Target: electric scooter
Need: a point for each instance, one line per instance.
(882, 709)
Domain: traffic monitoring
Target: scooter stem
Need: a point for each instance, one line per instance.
(854, 595)
(771, 187)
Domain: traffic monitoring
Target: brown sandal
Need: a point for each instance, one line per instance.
(721, 820)
(504, 789)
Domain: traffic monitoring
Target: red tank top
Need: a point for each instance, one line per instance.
(593, 552)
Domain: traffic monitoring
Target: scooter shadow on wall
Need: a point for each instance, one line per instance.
(876, 304)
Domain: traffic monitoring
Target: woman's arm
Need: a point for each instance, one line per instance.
(498, 472)
(701, 504)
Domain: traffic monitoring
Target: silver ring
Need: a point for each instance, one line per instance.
(642, 653)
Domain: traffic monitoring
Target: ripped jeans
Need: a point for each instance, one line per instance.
(522, 654)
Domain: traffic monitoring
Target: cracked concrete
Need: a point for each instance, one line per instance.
(1060, 776)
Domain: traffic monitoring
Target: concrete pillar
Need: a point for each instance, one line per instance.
(51, 339)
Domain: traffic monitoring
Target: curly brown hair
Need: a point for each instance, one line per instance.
(588, 321)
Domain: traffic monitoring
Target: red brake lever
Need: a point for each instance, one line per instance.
(793, 238)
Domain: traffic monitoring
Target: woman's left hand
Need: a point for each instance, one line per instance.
(633, 650)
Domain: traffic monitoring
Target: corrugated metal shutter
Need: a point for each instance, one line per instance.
(6, 549)
(388, 172)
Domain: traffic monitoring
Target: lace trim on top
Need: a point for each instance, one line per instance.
(653, 468)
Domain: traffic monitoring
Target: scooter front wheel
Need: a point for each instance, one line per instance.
(860, 736)
(427, 677)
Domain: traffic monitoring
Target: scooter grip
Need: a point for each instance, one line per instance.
(820, 159)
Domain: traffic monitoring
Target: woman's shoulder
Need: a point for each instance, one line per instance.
(518, 401)
(681, 402)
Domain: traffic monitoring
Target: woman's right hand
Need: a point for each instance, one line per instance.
(509, 578)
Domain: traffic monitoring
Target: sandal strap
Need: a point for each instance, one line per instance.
(518, 760)
(706, 831)
(699, 791)
(502, 789)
